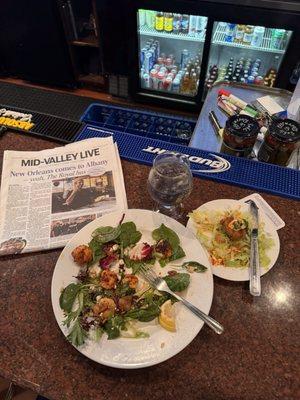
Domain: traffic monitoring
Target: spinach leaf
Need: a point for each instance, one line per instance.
(163, 232)
(178, 253)
(194, 265)
(68, 296)
(97, 250)
(177, 282)
(129, 234)
(113, 326)
(77, 334)
(106, 234)
(144, 314)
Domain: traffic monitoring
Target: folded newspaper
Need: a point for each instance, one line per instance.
(47, 196)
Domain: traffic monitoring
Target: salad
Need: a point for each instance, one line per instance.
(226, 237)
(109, 296)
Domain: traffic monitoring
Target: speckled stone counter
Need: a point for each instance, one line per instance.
(256, 358)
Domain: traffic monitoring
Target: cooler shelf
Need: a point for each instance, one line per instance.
(146, 31)
(219, 38)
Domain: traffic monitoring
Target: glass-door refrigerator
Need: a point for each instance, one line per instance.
(245, 53)
(170, 54)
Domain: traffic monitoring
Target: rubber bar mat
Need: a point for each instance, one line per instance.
(62, 105)
(49, 126)
(216, 166)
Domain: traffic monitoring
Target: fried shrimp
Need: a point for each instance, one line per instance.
(108, 279)
(82, 254)
(131, 280)
(105, 308)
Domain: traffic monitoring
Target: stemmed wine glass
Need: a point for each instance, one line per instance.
(170, 182)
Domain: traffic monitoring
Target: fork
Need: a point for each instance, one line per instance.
(159, 284)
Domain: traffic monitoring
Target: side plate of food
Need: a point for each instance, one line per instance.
(105, 308)
(223, 228)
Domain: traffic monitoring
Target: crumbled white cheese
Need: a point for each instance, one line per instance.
(94, 271)
(98, 298)
(136, 252)
(121, 262)
(115, 247)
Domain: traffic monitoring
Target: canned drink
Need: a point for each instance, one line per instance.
(160, 60)
(163, 70)
(259, 80)
(171, 75)
(184, 58)
(153, 76)
(156, 67)
(146, 81)
(160, 78)
(148, 61)
(167, 83)
(174, 70)
(250, 79)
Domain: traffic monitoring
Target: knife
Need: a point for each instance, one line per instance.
(255, 287)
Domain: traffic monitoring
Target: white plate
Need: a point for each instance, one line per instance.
(161, 345)
(235, 274)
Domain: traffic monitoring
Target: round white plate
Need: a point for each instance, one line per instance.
(161, 345)
(235, 274)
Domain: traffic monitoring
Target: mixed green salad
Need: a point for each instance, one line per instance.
(226, 236)
(109, 296)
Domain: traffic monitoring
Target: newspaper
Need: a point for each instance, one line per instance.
(49, 195)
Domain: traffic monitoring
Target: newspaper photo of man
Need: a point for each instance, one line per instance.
(83, 192)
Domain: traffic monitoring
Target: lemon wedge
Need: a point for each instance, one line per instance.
(167, 316)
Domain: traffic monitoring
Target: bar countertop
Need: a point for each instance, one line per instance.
(256, 358)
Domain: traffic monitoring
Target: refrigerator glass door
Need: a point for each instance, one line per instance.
(245, 53)
(170, 52)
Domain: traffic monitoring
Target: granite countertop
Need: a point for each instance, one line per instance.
(256, 358)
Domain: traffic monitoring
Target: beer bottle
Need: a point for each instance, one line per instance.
(159, 21)
(239, 34)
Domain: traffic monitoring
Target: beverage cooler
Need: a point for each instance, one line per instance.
(177, 50)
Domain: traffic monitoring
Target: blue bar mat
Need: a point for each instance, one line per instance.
(216, 166)
(154, 125)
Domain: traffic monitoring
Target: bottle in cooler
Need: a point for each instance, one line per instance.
(159, 21)
(277, 38)
(146, 81)
(258, 36)
(239, 33)
(157, 44)
(142, 17)
(148, 61)
(185, 83)
(142, 55)
(176, 23)
(168, 22)
(150, 18)
(229, 33)
(192, 25)
(153, 77)
(184, 28)
(184, 58)
(176, 84)
(250, 79)
(200, 26)
(193, 83)
(248, 35)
